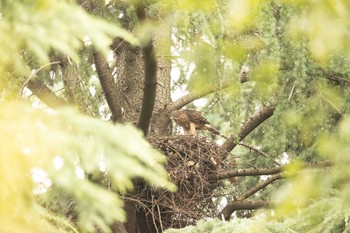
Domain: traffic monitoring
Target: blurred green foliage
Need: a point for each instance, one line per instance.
(324, 216)
(29, 30)
(298, 55)
(45, 153)
(68, 148)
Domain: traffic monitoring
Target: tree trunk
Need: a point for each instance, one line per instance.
(130, 83)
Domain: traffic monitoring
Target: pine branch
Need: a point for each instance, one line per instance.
(108, 85)
(39, 89)
(251, 124)
(240, 205)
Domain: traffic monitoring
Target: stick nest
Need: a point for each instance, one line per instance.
(191, 160)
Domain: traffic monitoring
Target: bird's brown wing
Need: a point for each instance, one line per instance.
(196, 117)
(201, 122)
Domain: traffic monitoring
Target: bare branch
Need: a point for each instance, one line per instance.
(259, 186)
(264, 171)
(252, 123)
(230, 207)
(240, 205)
(39, 89)
(108, 85)
(258, 151)
(246, 172)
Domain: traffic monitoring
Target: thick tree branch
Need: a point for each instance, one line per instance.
(149, 91)
(246, 172)
(104, 73)
(263, 171)
(255, 121)
(235, 205)
(108, 85)
(252, 123)
(150, 83)
(240, 205)
(230, 207)
(39, 89)
(186, 99)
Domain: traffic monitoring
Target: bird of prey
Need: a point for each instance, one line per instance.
(191, 120)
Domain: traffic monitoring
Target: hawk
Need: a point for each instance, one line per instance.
(190, 120)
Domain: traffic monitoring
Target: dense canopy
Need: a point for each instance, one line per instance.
(87, 89)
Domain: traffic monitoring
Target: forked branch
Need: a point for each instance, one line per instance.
(231, 206)
(242, 205)
(252, 123)
(239, 203)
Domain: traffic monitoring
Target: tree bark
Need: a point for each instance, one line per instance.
(246, 172)
(149, 91)
(143, 90)
(39, 89)
(253, 122)
(108, 86)
(241, 205)
(230, 207)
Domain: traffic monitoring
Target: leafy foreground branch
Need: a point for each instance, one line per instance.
(323, 216)
(66, 148)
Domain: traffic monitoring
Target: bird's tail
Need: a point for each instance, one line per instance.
(214, 131)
